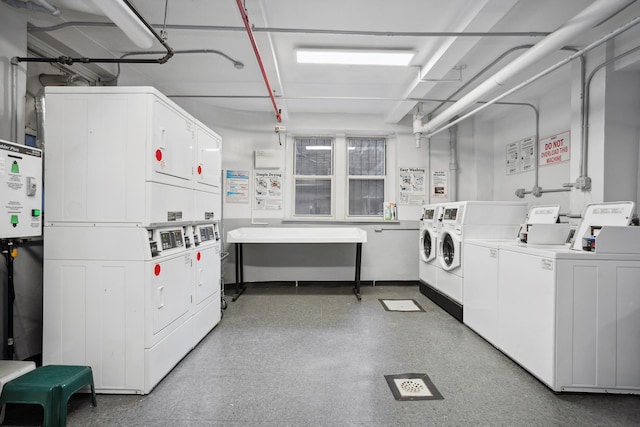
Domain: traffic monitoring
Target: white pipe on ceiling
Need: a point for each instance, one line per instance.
(584, 21)
(121, 15)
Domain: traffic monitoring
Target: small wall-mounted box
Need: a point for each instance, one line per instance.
(267, 159)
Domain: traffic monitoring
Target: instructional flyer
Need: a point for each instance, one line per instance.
(521, 156)
(268, 190)
(237, 187)
(412, 185)
(439, 184)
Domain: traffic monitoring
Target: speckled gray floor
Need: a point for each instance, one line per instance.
(317, 357)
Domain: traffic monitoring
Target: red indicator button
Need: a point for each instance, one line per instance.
(198, 256)
(156, 270)
(159, 155)
(199, 170)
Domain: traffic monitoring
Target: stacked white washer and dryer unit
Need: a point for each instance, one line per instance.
(131, 239)
(428, 244)
(567, 313)
(457, 222)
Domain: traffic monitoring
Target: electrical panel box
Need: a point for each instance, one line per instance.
(20, 191)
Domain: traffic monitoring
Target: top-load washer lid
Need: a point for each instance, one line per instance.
(547, 214)
(597, 215)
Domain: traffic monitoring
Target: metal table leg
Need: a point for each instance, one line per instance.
(240, 285)
(356, 288)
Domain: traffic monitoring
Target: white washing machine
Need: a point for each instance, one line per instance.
(480, 285)
(467, 220)
(428, 244)
(570, 317)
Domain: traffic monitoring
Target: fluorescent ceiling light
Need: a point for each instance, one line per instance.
(354, 57)
(318, 147)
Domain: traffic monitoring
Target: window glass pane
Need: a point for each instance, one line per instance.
(366, 197)
(313, 156)
(313, 197)
(366, 156)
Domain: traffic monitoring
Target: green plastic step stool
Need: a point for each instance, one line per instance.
(49, 386)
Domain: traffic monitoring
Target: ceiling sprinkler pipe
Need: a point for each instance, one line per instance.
(245, 19)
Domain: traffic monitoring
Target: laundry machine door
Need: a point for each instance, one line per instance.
(427, 245)
(449, 251)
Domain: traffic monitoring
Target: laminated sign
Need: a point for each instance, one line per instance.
(555, 149)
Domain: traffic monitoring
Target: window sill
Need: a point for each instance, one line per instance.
(338, 221)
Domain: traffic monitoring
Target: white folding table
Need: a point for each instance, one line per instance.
(245, 235)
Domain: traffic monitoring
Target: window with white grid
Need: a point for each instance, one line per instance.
(366, 164)
(313, 177)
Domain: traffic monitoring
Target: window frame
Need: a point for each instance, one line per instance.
(296, 177)
(339, 192)
(348, 177)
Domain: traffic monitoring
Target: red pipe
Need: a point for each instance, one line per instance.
(245, 18)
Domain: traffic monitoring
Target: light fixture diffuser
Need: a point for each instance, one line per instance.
(354, 57)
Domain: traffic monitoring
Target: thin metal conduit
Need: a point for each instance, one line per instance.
(305, 30)
(235, 62)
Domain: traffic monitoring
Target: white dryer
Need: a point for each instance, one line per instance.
(459, 221)
(428, 244)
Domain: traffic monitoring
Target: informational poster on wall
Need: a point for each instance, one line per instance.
(412, 186)
(237, 187)
(439, 184)
(521, 156)
(555, 149)
(268, 190)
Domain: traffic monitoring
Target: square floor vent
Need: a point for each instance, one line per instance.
(412, 387)
(400, 305)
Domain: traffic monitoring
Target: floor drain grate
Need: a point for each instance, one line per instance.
(400, 305)
(412, 387)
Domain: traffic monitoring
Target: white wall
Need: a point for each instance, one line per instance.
(622, 132)
(481, 158)
(391, 252)
(514, 123)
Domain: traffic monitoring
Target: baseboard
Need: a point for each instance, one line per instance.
(300, 283)
(266, 284)
(334, 283)
(396, 283)
(452, 307)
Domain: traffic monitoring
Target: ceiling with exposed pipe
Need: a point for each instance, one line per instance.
(452, 42)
